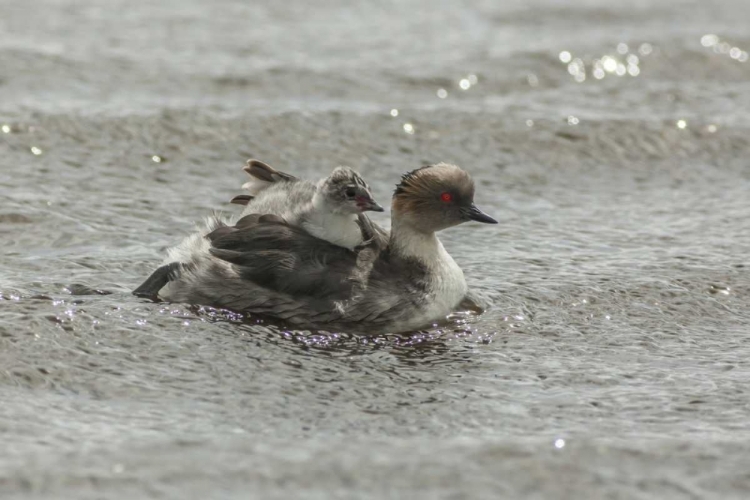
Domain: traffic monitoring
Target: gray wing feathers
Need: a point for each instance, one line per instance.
(265, 249)
(264, 266)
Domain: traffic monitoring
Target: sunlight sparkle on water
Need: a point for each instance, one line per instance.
(35, 150)
(681, 124)
(156, 159)
(577, 69)
(709, 40)
(442, 93)
(464, 84)
(723, 47)
(6, 129)
(622, 62)
(573, 120)
(408, 128)
(609, 63)
(529, 123)
(559, 443)
(711, 128)
(394, 112)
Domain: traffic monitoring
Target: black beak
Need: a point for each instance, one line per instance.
(473, 213)
(374, 207)
(369, 204)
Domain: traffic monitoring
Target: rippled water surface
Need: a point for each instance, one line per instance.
(611, 140)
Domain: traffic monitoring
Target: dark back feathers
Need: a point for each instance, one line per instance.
(286, 259)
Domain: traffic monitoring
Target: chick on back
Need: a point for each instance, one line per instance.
(264, 265)
(328, 209)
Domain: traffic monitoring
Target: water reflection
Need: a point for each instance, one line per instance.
(577, 69)
(723, 47)
(645, 49)
(429, 345)
(622, 62)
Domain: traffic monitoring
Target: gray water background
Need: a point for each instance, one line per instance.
(612, 363)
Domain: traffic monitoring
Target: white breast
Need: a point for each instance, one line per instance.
(447, 288)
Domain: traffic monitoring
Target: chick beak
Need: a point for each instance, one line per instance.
(365, 203)
(473, 213)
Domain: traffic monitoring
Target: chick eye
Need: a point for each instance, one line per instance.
(446, 197)
(350, 193)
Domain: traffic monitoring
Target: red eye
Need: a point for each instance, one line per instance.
(446, 197)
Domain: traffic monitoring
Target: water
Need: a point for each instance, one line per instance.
(612, 362)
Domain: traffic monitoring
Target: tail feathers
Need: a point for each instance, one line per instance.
(158, 280)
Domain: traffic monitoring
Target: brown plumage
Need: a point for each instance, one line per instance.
(419, 197)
